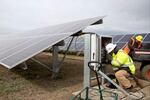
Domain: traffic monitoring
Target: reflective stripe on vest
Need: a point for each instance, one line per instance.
(112, 62)
(127, 65)
(115, 69)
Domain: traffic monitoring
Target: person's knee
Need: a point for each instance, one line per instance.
(117, 74)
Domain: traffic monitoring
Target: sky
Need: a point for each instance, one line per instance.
(121, 15)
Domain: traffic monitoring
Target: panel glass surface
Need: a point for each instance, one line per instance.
(147, 38)
(116, 38)
(146, 46)
(120, 45)
(126, 38)
(30, 50)
(27, 44)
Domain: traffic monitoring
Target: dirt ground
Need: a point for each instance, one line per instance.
(35, 83)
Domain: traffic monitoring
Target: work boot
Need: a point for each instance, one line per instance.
(110, 85)
(131, 89)
(133, 82)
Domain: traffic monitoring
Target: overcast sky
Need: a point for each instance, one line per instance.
(122, 15)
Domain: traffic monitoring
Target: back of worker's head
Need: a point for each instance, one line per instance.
(110, 47)
(139, 38)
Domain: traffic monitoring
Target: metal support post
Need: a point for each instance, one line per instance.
(25, 67)
(87, 57)
(55, 61)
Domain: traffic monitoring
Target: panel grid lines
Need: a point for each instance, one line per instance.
(16, 48)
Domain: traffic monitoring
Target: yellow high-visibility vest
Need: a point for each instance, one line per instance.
(121, 59)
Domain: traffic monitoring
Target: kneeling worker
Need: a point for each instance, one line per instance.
(122, 65)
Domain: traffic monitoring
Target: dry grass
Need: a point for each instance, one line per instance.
(35, 83)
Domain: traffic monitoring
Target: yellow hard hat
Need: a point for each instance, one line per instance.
(139, 38)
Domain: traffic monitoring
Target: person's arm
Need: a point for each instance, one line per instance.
(115, 63)
(119, 60)
(140, 45)
(130, 44)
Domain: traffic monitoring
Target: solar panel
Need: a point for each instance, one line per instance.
(17, 48)
(80, 39)
(126, 38)
(28, 50)
(14, 48)
(120, 45)
(72, 47)
(80, 47)
(147, 38)
(146, 46)
(116, 38)
(12, 43)
(77, 44)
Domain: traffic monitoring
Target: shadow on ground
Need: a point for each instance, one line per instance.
(36, 80)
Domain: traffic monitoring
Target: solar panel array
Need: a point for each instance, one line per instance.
(17, 48)
(76, 46)
(120, 40)
(27, 49)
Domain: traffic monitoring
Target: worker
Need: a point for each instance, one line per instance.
(122, 65)
(134, 43)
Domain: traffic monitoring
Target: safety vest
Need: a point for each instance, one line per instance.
(122, 60)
